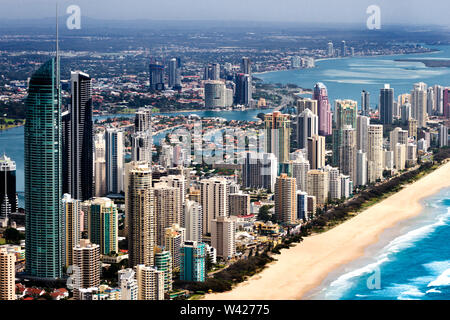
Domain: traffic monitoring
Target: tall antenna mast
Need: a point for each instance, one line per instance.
(57, 58)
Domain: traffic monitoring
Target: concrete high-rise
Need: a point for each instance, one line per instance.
(193, 215)
(375, 152)
(238, 204)
(259, 170)
(277, 135)
(318, 186)
(114, 160)
(286, 199)
(139, 213)
(43, 174)
(347, 152)
(87, 266)
(150, 282)
(419, 104)
(215, 94)
(361, 168)
(167, 209)
(316, 152)
(307, 126)
(362, 129)
(72, 230)
(223, 234)
(100, 165)
(306, 103)
(324, 109)
(7, 274)
(300, 168)
(214, 200)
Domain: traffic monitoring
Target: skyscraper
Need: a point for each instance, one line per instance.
(114, 160)
(307, 126)
(103, 224)
(246, 66)
(286, 199)
(80, 144)
(156, 79)
(386, 104)
(343, 48)
(362, 128)
(163, 262)
(346, 115)
(100, 165)
(8, 196)
(365, 103)
(446, 103)
(173, 72)
(72, 223)
(167, 209)
(306, 103)
(139, 212)
(141, 139)
(193, 216)
(214, 94)
(325, 116)
(259, 170)
(316, 152)
(419, 104)
(375, 152)
(300, 168)
(347, 151)
(150, 282)
(361, 168)
(223, 234)
(214, 200)
(330, 50)
(244, 89)
(87, 266)
(193, 261)
(174, 238)
(43, 185)
(318, 185)
(7, 274)
(277, 135)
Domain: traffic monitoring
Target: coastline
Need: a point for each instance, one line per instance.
(309, 263)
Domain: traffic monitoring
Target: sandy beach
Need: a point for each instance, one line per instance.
(303, 267)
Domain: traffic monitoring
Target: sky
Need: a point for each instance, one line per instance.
(412, 12)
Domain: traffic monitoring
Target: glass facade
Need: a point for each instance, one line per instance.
(43, 191)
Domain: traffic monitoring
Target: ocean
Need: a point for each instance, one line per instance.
(411, 261)
(346, 78)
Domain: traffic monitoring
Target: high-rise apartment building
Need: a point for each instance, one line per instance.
(103, 224)
(86, 266)
(286, 199)
(72, 224)
(174, 238)
(139, 213)
(307, 126)
(375, 152)
(100, 165)
(193, 261)
(318, 186)
(43, 177)
(306, 103)
(193, 216)
(324, 109)
(238, 204)
(362, 129)
(114, 147)
(419, 104)
(167, 209)
(223, 234)
(277, 135)
(365, 103)
(163, 262)
(300, 168)
(259, 170)
(214, 200)
(7, 274)
(316, 152)
(128, 284)
(150, 282)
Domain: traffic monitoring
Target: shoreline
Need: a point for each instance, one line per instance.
(310, 262)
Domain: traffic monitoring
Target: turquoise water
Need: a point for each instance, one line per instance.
(411, 261)
(346, 78)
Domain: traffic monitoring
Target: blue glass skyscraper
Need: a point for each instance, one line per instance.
(43, 192)
(193, 261)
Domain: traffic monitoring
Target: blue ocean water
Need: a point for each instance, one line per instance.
(411, 261)
(346, 78)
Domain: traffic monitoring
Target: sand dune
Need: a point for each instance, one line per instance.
(303, 267)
